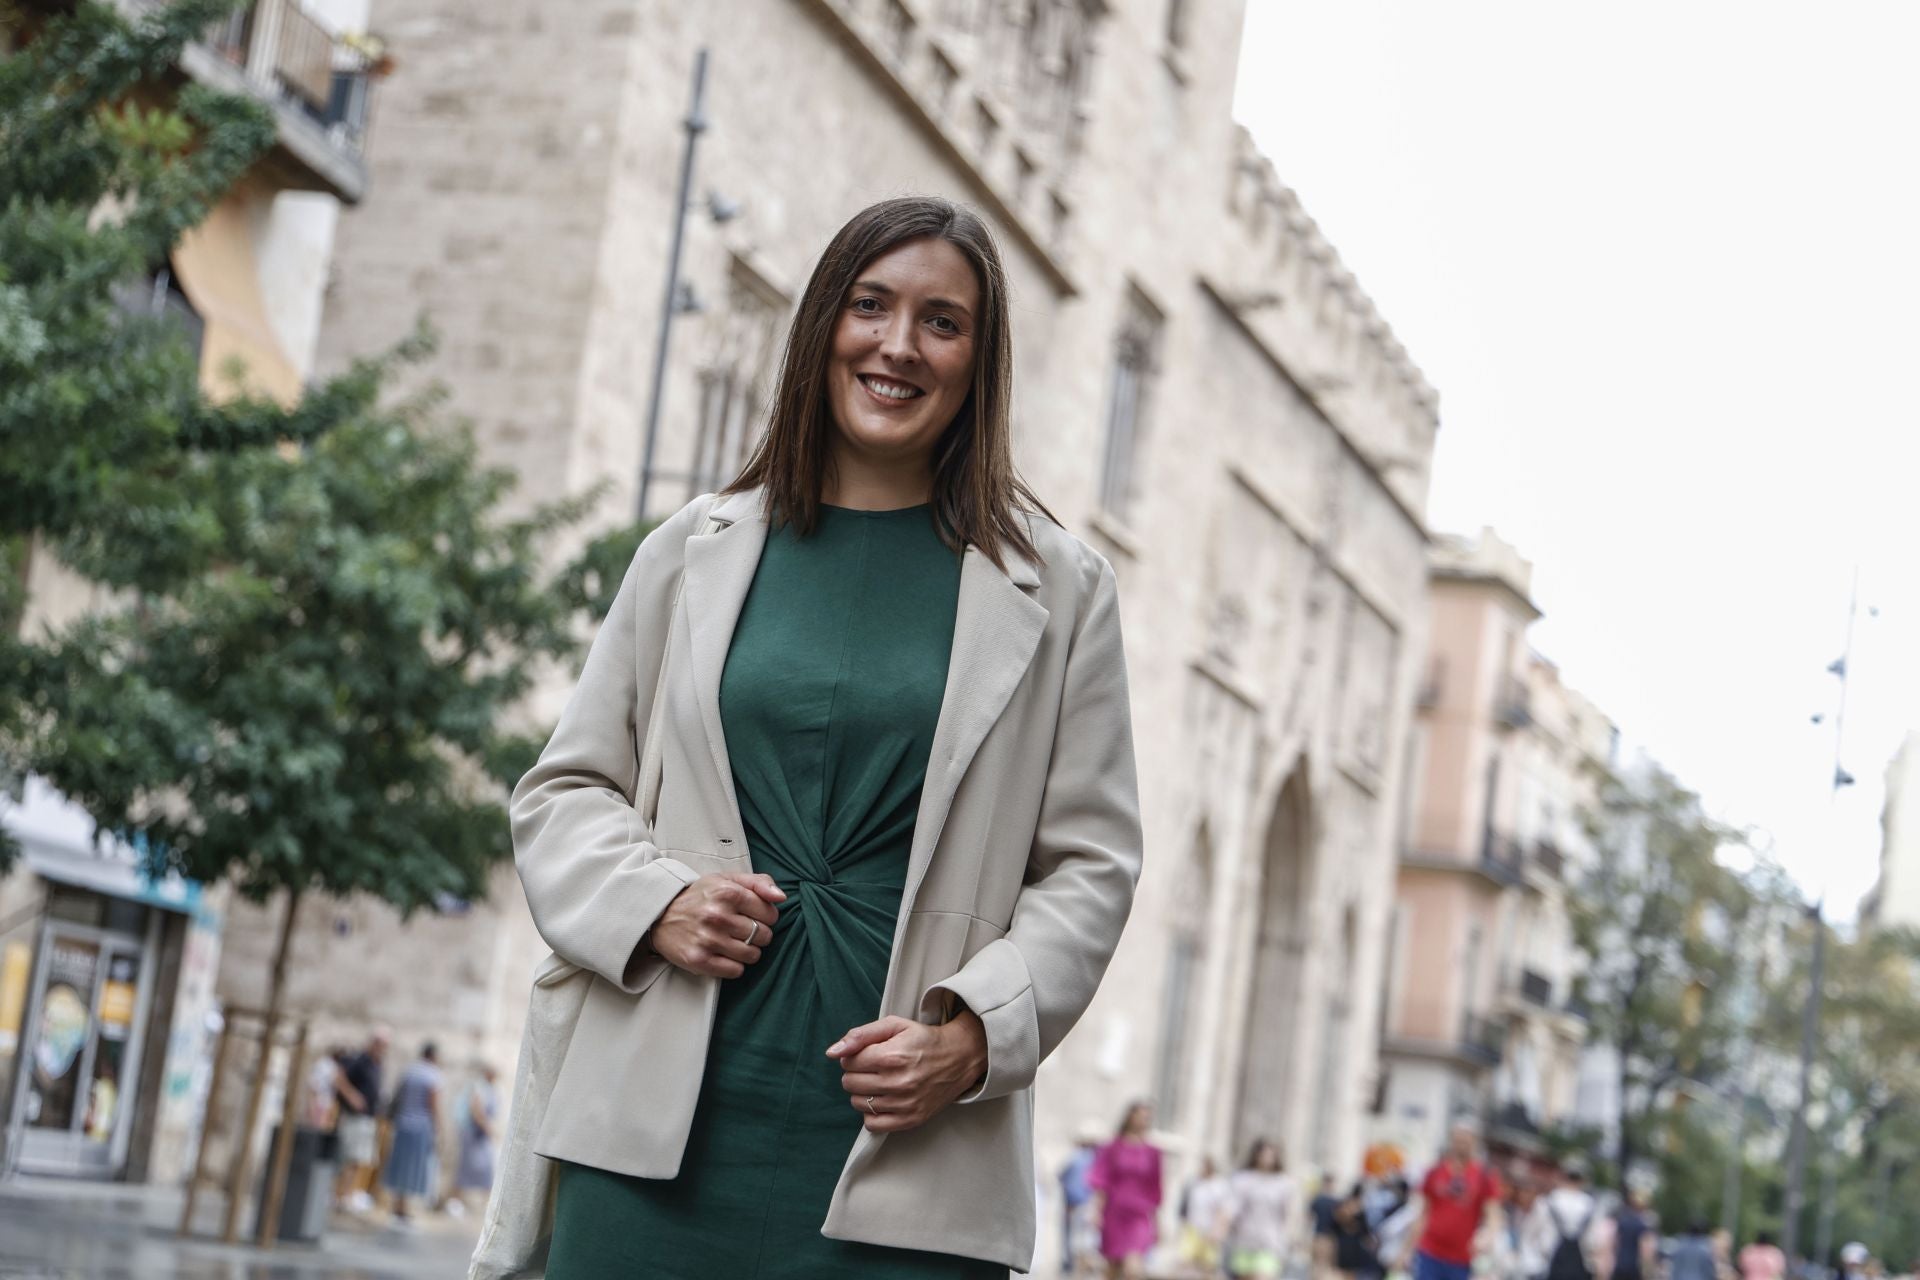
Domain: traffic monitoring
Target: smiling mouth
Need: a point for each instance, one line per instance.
(888, 390)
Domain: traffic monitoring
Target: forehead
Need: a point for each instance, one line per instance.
(926, 266)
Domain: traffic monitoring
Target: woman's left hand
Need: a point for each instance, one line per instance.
(901, 1073)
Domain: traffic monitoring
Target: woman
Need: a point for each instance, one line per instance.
(1263, 1208)
(1203, 1220)
(1762, 1260)
(416, 1124)
(1126, 1175)
(897, 827)
(474, 1176)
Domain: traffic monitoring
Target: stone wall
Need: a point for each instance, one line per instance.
(1272, 565)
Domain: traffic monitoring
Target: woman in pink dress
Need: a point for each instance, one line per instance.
(1126, 1175)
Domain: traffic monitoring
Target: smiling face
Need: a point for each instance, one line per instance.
(901, 363)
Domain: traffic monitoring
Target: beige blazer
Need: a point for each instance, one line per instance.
(1022, 870)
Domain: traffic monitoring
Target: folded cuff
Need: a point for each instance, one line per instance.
(995, 984)
(660, 882)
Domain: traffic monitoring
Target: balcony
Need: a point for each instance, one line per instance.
(1513, 705)
(1479, 1044)
(319, 87)
(1536, 988)
(1549, 858)
(1482, 1040)
(1502, 860)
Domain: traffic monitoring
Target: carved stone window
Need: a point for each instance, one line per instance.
(1136, 363)
(736, 379)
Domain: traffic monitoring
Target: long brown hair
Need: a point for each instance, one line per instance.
(978, 497)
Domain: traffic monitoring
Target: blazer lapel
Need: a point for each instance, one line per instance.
(719, 570)
(996, 629)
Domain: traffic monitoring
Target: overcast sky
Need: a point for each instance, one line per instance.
(1663, 263)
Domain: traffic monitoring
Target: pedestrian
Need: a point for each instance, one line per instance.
(1205, 1214)
(474, 1120)
(1354, 1244)
(1692, 1255)
(1636, 1243)
(724, 834)
(1560, 1237)
(1076, 1194)
(1392, 1213)
(1454, 1197)
(1320, 1211)
(358, 1087)
(416, 1129)
(1763, 1260)
(1126, 1177)
(1263, 1204)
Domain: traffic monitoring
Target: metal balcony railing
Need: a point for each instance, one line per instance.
(1513, 705)
(319, 84)
(1551, 860)
(288, 53)
(1482, 1040)
(1536, 988)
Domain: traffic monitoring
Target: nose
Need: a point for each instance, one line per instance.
(899, 340)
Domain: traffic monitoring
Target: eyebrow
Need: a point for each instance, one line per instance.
(877, 287)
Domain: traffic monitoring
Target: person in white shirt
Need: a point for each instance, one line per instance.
(1568, 1212)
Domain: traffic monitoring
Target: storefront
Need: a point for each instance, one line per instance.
(105, 990)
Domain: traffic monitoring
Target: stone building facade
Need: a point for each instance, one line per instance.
(1504, 764)
(1202, 392)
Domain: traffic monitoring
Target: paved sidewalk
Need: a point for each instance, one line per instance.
(52, 1229)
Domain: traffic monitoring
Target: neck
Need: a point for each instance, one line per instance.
(871, 484)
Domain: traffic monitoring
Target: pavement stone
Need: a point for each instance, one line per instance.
(52, 1229)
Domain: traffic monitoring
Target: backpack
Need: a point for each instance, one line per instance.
(1569, 1261)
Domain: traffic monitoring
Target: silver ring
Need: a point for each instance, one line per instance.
(753, 931)
(870, 1108)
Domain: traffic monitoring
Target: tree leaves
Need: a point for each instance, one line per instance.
(323, 613)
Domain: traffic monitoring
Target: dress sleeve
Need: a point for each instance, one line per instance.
(1031, 986)
(595, 881)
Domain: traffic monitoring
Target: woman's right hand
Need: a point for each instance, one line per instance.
(705, 930)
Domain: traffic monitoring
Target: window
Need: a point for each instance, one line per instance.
(1186, 961)
(1177, 16)
(158, 295)
(945, 76)
(735, 379)
(899, 30)
(1135, 364)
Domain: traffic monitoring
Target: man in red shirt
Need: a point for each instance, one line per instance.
(1454, 1197)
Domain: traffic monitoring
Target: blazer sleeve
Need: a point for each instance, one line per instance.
(594, 879)
(1031, 986)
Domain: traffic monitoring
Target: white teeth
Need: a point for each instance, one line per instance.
(890, 392)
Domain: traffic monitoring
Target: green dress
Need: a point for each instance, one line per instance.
(829, 699)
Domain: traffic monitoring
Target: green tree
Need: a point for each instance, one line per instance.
(1657, 918)
(325, 612)
(1867, 1085)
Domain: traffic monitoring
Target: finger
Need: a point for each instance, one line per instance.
(866, 1084)
(885, 1058)
(751, 906)
(730, 946)
(870, 1034)
(762, 885)
(716, 966)
(723, 914)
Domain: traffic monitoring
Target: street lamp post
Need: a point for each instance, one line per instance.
(696, 124)
(1810, 1016)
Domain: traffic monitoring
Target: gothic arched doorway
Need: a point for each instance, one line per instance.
(1271, 1059)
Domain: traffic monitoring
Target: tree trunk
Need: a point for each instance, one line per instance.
(276, 992)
